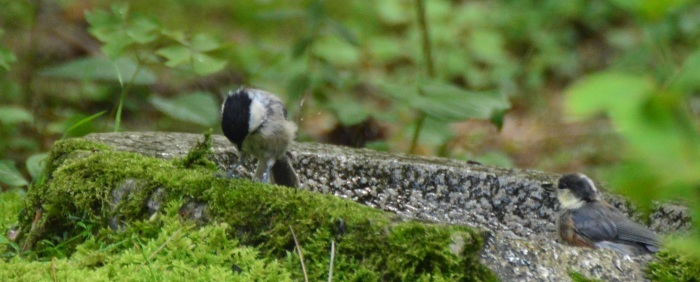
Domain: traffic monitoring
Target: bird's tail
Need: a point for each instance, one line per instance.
(283, 172)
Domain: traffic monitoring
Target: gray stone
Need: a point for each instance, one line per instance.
(509, 203)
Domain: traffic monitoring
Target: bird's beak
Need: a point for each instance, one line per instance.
(549, 186)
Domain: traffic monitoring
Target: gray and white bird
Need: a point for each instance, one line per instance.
(256, 122)
(586, 220)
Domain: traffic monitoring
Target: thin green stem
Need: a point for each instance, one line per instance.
(429, 67)
(416, 133)
(125, 89)
(425, 38)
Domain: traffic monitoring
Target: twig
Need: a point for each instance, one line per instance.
(162, 246)
(301, 256)
(330, 268)
(53, 268)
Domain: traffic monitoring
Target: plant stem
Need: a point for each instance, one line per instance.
(425, 38)
(429, 67)
(125, 89)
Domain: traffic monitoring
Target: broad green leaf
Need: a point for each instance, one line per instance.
(448, 103)
(10, 175)
(114, 48)
(343, 32)
(688, 79)
(35, 164)
(199, 108)
(337, 52)
(487, 46)
(6, 58)
(14, 115)
(204, 43)
(4, 240)
(205, 65)
(349, 111)
(102, 24)
(177, 35)
(394, 12)
(101, 68)
(615, 93)
(385, 49)
(121, 10)
(175, 54)
(143, 30)
(300, 46)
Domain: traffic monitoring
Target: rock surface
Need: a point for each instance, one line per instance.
(508, 202)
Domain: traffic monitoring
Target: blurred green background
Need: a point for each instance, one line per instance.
(609, 88)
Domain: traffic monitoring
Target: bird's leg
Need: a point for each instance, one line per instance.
(262, 173)
(241, 160)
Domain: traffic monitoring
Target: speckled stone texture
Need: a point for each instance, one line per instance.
(510, 203)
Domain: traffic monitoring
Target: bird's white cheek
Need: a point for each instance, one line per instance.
(257, 115)
(569, 201)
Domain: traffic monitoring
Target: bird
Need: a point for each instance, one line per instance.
(587, 220)
(256, 122)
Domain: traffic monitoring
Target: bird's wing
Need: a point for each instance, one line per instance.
(628, 230)
(591, 223)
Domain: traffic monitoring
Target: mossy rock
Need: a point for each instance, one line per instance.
(83, 187)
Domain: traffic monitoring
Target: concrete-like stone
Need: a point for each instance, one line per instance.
(508, 202)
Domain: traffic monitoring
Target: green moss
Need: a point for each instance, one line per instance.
(77, 205)
(674, 266)
(178, 251)
(578, 277)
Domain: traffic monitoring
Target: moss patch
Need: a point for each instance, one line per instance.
(674, 266)
(77, 203)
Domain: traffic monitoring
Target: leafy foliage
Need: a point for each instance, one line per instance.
(661, 130)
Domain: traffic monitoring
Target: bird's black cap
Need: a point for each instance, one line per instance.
(579, 185)
(235, 116)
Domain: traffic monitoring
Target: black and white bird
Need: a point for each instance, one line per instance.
(256, 122)
(586, 220)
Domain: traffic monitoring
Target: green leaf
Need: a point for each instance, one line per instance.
(688, 79)
(121, 10)
(487, 46)
(205, 65)
(14, 115)
(300, 46)
(337, 52)
(175, 54)
(6, 58)
(612, 92)
(35, 164)
(199, 108)
(204, 43)
(343, 32)
(10, 175)
(394, 12)
(4, 240)
(448, 103)
(349, 111)
(101, 68)
(143, 30)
